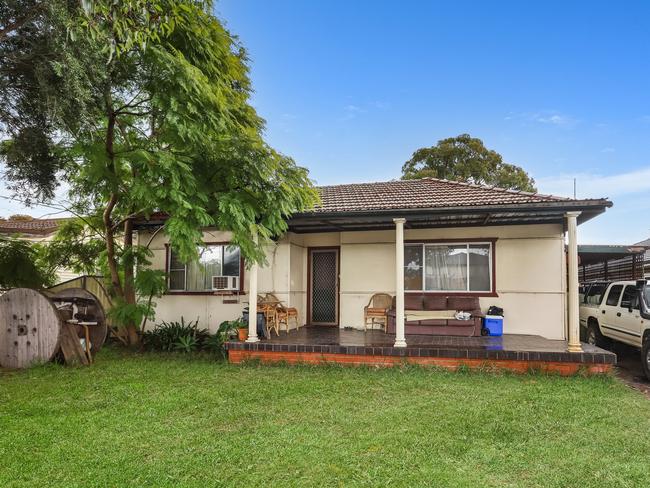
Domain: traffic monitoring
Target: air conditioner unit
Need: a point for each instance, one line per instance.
(222, 283)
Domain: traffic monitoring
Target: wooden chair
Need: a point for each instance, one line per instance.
(377, 310)
(270, 315)
(284, 315)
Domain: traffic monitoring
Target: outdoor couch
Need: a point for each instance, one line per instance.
(433, 315)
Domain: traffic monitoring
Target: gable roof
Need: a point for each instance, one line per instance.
(421, 193)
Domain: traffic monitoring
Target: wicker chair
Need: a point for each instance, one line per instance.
(284, 315)
(377, 310)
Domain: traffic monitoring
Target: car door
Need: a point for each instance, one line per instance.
(608, 312)
(629, 317)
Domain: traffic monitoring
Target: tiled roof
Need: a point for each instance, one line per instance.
(422, 193)
(34, 226)
(643, 243)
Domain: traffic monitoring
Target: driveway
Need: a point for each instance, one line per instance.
(628, 367)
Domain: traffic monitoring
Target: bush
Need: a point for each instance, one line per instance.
(175, 336)
(188, 337)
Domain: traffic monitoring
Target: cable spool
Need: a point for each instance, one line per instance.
(35, 327)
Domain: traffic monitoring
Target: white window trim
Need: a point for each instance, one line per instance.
(447, 243)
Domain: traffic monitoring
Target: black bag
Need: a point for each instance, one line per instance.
(493, 310)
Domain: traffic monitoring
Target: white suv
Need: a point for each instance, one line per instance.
(618, 310)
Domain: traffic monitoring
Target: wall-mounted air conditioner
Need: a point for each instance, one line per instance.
(225, 283)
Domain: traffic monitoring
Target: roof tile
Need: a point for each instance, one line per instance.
(422, 193)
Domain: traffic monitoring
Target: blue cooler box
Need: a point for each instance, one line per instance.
(493, 324)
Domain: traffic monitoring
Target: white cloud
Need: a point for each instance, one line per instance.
(546, 117)
(607, 150)
(591, 185)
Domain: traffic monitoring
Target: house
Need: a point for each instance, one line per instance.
(427, 237)
(35, 230)
(646, 258)
(612, 261)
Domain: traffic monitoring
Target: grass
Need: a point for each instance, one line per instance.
(169, 420)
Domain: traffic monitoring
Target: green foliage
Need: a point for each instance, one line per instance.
(186, 344)
(176, 336)
(466, 158)
(21, 265)
(142, 106)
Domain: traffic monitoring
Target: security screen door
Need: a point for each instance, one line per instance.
(324, 293)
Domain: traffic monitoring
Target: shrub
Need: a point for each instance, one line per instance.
(188, 337)
(172, 336)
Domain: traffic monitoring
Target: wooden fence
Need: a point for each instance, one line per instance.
(632, 267)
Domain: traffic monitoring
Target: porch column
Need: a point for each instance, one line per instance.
(252, 304)
(572, 298)
(400, 339)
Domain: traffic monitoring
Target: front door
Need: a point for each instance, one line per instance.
(324, 286)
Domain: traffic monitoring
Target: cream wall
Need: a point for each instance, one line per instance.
(530, 275)
(210, 309)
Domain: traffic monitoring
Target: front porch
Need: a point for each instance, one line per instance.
(514, 352)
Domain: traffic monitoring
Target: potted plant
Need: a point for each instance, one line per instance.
(242, 329)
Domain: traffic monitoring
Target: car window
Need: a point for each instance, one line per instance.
(630, 298)
(614, 295)
(582, 293)
(595, 293)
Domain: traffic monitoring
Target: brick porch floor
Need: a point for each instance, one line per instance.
(348, 346)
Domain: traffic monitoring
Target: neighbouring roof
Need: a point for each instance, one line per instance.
(645, 243)
(599, 253)
(34, 226)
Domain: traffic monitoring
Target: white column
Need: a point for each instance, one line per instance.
(400, 339)
(572, 298)
(252, 304)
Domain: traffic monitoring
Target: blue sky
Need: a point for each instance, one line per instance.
(350, 89)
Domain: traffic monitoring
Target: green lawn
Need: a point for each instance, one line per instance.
(135, 420)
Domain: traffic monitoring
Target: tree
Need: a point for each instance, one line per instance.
(167, 127)
(21, 265)
(466, 158)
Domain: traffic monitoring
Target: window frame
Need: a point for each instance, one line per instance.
(224, 244)
(619, 287)
(635, 296)
(491, 241)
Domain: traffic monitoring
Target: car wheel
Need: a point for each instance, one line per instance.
(645, 357)
(594, 337)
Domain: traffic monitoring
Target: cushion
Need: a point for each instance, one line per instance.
(436, 322)
(429, 314)
(412, 301)
(463, 303)
(435, 302)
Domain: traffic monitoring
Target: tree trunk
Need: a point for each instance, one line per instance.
(129, 280)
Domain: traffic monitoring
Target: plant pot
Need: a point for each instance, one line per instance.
(243, 334)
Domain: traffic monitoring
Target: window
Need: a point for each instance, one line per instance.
(595, 293)
(630, 298)
(448, 267)
(614, 295)
(214, 260)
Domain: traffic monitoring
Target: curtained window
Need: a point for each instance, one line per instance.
(453, 267)
(214, 260)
